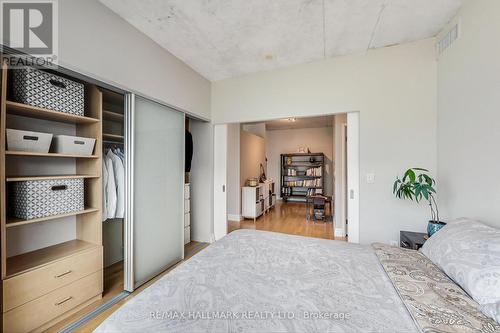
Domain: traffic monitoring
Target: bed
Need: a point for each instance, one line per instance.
(256, 281)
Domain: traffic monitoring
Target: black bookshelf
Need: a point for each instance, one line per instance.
(302, 174)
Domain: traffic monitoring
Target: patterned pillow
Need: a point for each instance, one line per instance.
(492, 310)
(469, 253)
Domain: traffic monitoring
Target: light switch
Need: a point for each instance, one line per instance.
(370, 178)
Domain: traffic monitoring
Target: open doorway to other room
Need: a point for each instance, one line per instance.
(287, 175)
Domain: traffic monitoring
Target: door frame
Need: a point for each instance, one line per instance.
(220, 182)
(352, 177)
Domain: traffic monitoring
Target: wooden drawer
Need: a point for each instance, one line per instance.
(34, 314)
(26, 287)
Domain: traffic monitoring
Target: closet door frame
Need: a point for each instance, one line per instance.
(130, 108)
(128, 246)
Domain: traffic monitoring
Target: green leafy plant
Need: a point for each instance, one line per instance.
(416, 184)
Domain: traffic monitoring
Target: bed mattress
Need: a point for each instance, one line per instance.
(256, 281)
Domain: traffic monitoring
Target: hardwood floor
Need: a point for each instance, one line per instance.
(113, 280)
(288, 218)
(114, 285)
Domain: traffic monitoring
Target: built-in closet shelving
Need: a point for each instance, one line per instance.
(113, 117)
(32, 280)
(113, 227)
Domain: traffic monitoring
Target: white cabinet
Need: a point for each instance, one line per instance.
(187, 213)
(257, 200)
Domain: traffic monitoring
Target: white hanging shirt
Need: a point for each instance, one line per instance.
(104, 190)
(119, 173)
(110, 188)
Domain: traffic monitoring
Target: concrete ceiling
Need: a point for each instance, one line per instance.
(227, 38)
(297, 123)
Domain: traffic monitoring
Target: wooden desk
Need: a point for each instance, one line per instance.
(309, 205)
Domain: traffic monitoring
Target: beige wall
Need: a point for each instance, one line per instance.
(318, 140)
(395, 91)
(469, 116)
(95, 41)
(252, 154)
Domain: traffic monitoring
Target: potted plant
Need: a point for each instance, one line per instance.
(416, 184)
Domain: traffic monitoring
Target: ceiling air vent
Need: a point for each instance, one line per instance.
(448, 39)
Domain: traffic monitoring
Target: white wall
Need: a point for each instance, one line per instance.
(97, 42)
(233, 173)
(257, 129)
(252, 155)
(469, 116)
(220, 181)
(318, 140)
(394, 89)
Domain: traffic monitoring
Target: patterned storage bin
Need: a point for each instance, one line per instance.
(39, 198)
(37, 88)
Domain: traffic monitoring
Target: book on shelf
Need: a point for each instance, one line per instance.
(314, 172)
(314, 191)
(304, 183)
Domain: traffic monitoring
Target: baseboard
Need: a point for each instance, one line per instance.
(339, 232)
(234, 217)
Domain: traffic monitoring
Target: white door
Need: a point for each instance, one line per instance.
(353, 176)
(220, 180)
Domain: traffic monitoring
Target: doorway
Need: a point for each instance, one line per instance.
(282, 139)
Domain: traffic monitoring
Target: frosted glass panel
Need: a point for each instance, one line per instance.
(158, 180)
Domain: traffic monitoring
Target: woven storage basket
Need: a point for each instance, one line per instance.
(40, 198)
(37, 88)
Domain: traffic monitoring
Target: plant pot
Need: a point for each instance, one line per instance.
(434, 226)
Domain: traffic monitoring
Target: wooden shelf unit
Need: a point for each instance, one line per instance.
(33, 154)
(32, 260)
(301, 162)
(113, 116)
(46, 114)
(88, 222)
(113, 137)
(15, 222)
(27, 178)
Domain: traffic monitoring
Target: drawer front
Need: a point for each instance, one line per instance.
(187, 206)
(46, 308)
(187, 219)
(187, 191)
(31, 285)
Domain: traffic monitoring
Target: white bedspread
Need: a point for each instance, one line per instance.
(255, 281)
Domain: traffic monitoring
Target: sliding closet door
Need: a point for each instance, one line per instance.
(157, 140)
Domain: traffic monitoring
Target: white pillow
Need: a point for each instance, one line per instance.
(469, 253)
